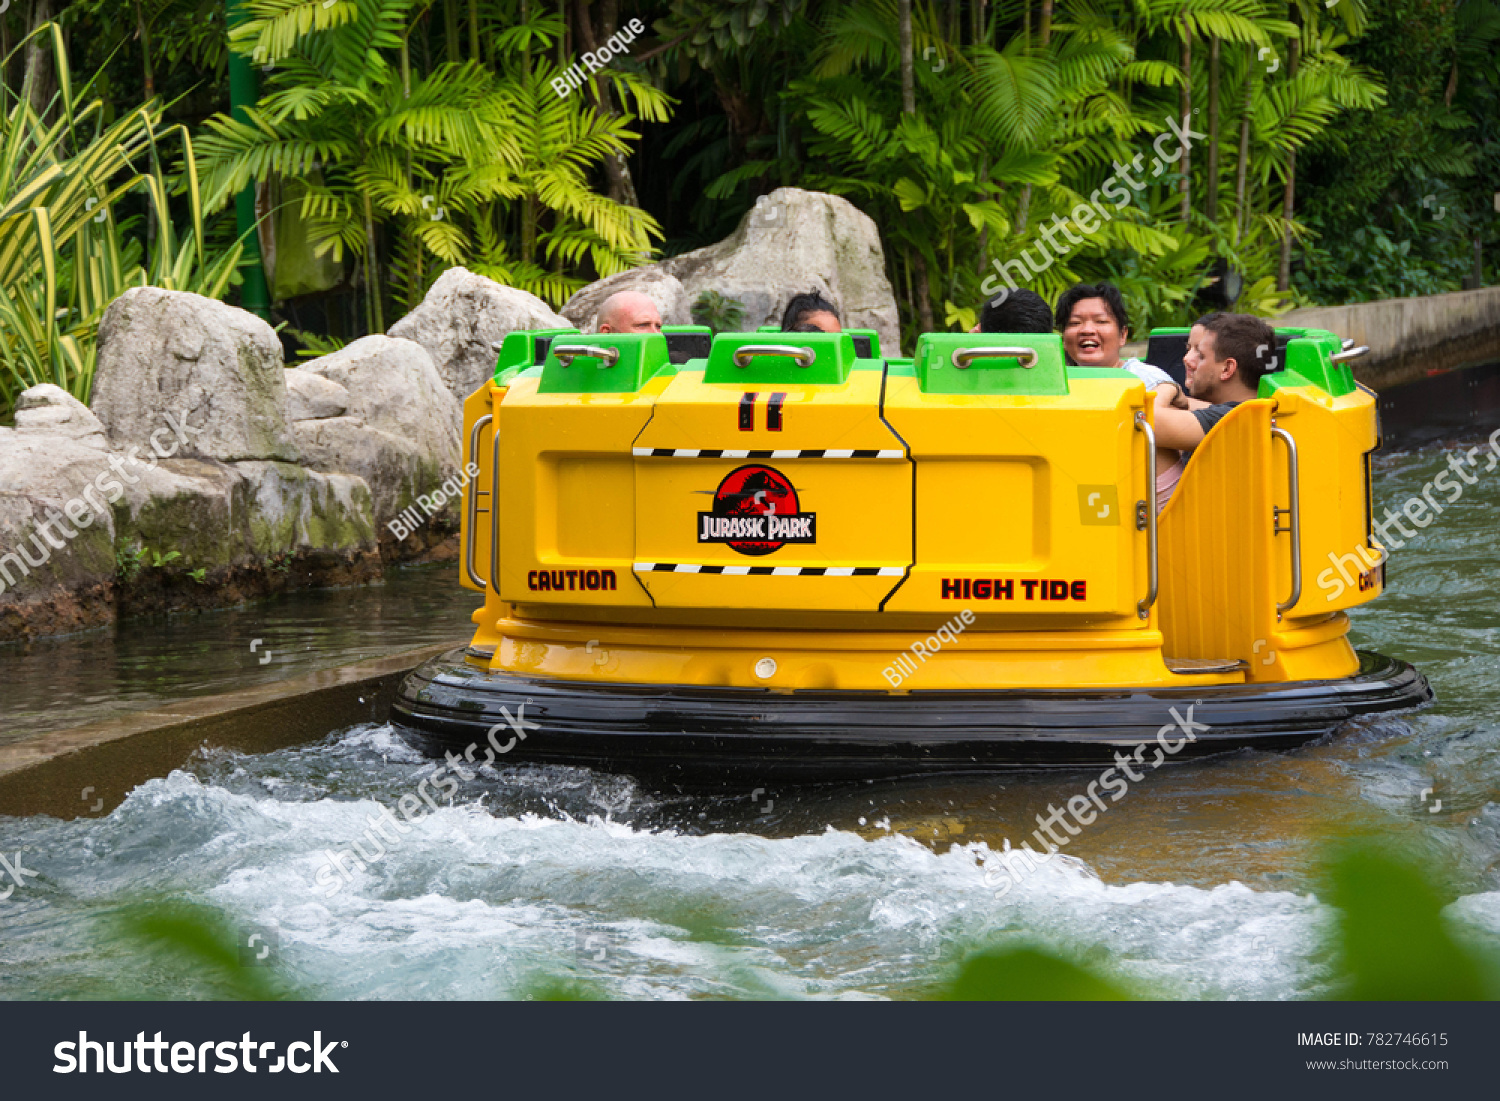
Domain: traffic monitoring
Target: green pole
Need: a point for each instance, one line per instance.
(254, 294)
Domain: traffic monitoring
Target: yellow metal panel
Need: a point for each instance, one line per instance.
(478, 404)
(566, 496)
(831, 658)
(1339, 561)
(582, 529)
(780, 514)
(1222, 561)
(1026, 505)
(1216, 544)
(988, 539)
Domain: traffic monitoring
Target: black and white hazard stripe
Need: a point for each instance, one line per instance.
(729, 453)
(771, 571)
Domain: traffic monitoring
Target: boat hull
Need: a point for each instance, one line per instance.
(687, 733)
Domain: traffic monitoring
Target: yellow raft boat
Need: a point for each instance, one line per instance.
(788, 555)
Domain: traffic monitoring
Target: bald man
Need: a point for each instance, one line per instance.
(629, 312)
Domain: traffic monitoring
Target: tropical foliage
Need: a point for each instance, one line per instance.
(971, 135)
(1402, 199)
(65, 250)
(1339, 151)
(424, 167)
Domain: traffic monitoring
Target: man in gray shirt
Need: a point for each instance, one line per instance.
(1223, 367)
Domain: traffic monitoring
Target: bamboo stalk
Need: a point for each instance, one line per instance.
(1185, 185)
(1211, 200)
(908, 74)
(1241, 213)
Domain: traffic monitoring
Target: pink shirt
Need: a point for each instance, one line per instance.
(1167, 481)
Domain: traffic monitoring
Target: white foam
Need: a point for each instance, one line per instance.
(467, 903)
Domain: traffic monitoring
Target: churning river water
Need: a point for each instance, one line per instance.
(1203, 882)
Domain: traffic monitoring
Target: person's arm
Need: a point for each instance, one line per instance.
(1181, 400)
(1175, 428)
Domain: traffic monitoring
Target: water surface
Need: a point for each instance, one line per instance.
(1203, 882)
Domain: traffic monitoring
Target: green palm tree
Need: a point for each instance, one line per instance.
(432, 167)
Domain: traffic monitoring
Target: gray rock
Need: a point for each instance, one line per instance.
(297, 509)
(462, 318)
(312, 397)
(399, 430)
(224, 514)
(50, 410)
(665, 290)
(202, 377)
(792, 242)
(396, 471)
(56, 521)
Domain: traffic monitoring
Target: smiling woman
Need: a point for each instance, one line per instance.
(1094, 324)
(1094, 328)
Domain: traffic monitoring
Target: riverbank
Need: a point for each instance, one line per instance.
(1413, 338)
(88, 770)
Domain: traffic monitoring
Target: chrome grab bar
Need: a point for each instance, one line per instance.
(566, 353)
(495, 515)
(803, 357)
(1347, 343)
(962, 356)
(470, 457)
(1349, 353)
(1145, 514)
(1295, 513)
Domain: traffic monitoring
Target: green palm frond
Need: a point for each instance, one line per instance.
(275, 26)
(1015, 92)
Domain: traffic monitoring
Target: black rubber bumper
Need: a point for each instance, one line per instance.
(684, 732)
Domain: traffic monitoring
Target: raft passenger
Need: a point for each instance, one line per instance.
(1020, 311)
(811, 309)
(629, 312)
(1227, 354)
(1095, 328)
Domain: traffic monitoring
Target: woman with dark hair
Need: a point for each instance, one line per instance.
(811, 309)
(1095, 327)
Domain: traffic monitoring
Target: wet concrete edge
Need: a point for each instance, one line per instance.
(48, 774)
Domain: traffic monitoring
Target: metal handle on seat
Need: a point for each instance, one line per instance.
(566, 353)
(961, 357)
(495, 515)
(1294, 512)
(803, 357)
(470, 462)
(1145, 514)
(1349, 353)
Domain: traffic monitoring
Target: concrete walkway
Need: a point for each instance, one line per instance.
(1410, 338)
(87, 771)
